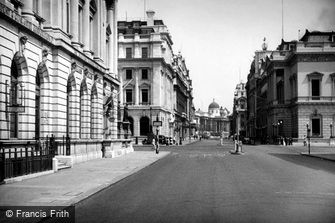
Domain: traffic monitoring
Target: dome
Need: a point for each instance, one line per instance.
(213, 105)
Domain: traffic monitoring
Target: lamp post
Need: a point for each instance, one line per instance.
(331, 130)
(273, 133)
(308, 139)
(279, 124)
(150, 124)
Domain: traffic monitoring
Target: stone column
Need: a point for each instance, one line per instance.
(74, 23)
(27, 10)
(110, 20)
(115, 61)
(86, 27)
(136, 87)
(121, 85)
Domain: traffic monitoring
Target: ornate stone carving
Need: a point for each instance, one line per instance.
(22, 46)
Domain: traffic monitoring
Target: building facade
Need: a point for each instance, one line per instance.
(156, 82)
(58, 70)
(296, 89)
(239, 115)
(216, 121)
(183, 100)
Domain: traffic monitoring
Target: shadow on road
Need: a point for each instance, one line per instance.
(310, 162)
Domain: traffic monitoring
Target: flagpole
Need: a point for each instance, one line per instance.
(282, 19)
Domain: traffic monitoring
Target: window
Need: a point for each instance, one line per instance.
(315, 79)
(92, 24)
(315, 89)
(144, 52)
(316, 127)
(128, 53)
(145, 96)
(144, 74)
(68, 16)
(37, 106)
(129, 96)
(129, 74)
(80, 25)
(280, 92)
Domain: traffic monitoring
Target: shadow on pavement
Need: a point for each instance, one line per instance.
(310, 162)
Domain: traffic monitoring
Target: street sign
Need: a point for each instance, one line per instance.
(15, 109)
(157, 123)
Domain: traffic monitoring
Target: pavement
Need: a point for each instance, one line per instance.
(69, 186)
(322, 152)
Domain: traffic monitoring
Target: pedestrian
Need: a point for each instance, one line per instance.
(157, 145)
(154, 143)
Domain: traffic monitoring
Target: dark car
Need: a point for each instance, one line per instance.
(161, 139)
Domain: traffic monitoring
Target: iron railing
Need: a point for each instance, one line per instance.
(24, 157)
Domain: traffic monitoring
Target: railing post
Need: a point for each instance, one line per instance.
(15, 162)
(63, 144)
(32, 159)
(26, 158)
(2, 167)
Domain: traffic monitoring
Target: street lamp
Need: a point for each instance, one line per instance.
(308, 138)
(273, 133)
(331, 130)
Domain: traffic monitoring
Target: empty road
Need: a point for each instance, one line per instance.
(203, 182)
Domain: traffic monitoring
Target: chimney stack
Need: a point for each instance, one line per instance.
(150, 17)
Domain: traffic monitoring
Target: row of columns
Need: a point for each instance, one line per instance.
(111, 61)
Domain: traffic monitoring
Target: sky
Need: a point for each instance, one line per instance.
(218, 38)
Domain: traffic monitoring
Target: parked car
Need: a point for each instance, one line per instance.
(161, 139)
(169, 141)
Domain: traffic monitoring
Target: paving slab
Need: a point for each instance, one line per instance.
(69, 186)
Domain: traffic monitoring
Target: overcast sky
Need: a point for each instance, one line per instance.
(218, 38)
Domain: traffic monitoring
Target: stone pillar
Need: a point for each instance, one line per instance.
(74, 23)
(115, 36)
(110, 20)
(136, 87)
(121, 86)
(86, 28)
(27, 10)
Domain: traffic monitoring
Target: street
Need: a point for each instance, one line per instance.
(203, 182)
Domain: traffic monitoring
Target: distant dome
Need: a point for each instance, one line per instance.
(213, 105)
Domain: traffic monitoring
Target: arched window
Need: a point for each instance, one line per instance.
(14, 100)
(84, 121)
(37, 106)
(70, 105)
(94, 113)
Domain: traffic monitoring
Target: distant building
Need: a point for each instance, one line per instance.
(295, 89)
(216, 120)
(156, 82)
(239, 115)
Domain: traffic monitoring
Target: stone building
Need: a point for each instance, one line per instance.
(183, 97)
(216, 121)
(239, 116)
(295, 89)
(58, 71)
(156, 82)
